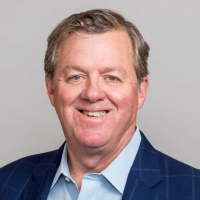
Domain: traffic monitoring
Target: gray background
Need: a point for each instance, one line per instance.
(170, 117)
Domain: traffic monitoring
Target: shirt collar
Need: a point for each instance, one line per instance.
(62, 169)
(117, 172)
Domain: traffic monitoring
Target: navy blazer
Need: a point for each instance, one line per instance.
(153, 176)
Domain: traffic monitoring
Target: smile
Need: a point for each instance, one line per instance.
(94, 114)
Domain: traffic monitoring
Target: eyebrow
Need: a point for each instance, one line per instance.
(111, 69)
(69, 67)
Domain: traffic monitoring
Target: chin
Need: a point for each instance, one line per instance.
(92, 143)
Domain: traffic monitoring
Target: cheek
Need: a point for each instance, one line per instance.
(66, 95)
(64, 104)
(124, 99)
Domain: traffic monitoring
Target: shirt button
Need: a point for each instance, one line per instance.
(67, 179)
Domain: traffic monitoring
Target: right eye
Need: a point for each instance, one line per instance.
(75, 77)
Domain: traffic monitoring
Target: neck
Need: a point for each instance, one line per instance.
(94, 160)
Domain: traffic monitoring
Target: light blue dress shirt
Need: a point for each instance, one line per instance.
(107, 185)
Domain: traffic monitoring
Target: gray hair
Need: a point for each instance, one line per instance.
(95, 22)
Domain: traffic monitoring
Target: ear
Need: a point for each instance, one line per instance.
(142, 91)
(49, 87)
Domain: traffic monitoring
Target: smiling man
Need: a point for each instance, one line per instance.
(96, 78)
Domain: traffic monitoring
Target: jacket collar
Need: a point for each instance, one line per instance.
(144, 174)
(41, 179)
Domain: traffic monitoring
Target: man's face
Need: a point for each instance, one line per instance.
(96, 94)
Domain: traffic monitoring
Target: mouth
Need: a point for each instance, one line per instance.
(94, 114)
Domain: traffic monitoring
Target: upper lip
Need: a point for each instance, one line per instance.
(94, 111)
(102, 110)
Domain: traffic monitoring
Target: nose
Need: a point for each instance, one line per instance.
(93, 91)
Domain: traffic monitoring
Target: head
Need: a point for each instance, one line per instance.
(95, 61)
(96, 22)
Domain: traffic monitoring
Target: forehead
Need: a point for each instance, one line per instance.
(109, 48)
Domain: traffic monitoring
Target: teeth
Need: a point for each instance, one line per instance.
(94, 114)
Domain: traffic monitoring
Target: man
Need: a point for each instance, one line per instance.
(96, 78)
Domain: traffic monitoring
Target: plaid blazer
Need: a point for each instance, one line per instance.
(153, 176)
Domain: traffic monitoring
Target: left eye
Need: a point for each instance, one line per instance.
(112, 78)
(76, 77)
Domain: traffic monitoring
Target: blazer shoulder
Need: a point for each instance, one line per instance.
(167, 164)
(18, 173)
(32, 160)
(170, 165)
(22, 167)
(164, 175)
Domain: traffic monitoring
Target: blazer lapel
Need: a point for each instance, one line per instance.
(42, 177)
(144, 174)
